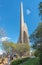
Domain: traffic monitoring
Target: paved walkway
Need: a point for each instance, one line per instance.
(5, 62)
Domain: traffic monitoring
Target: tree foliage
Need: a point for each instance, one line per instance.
(36, 37)
(18, 48)
(40, 9)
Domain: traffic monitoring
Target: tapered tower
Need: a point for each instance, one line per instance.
(23, 38)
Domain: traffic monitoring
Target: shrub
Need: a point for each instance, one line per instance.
(40, 58)
(18, 61)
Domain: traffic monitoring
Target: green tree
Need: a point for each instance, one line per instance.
(9, 46)
(40, 9)
(20, 49)
(36, 38)
(23, 48)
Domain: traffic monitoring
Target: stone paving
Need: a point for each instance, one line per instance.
(5, 62)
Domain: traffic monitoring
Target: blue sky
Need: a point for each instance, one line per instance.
(10, 16)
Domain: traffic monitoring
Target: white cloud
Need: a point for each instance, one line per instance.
(4, 39)
(28, 11)
(2, 51)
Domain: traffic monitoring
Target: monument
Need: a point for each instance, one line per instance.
(23, 38)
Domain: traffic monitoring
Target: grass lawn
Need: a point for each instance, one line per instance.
(32, 61)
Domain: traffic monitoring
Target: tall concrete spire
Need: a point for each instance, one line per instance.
(23, 38)
(21, 22)
(21, 13)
